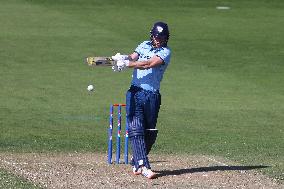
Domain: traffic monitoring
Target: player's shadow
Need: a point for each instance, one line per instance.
(207, 169)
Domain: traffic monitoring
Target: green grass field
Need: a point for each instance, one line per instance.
(222, 95)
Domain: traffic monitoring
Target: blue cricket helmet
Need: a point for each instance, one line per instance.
(160, 30)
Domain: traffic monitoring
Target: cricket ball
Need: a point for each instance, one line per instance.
(90, 88)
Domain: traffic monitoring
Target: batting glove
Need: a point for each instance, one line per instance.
(122, 64)
(119, 56)
(115, 68)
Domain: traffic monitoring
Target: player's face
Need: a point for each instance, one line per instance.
(157, 42)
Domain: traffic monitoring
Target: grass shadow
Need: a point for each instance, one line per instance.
(208, 169)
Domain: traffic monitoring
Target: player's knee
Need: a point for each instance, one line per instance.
(135, 128)
(135, 132)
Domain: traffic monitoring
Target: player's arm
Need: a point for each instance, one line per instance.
(133, 57)
(152, 62)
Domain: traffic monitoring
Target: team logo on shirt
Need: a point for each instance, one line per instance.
(145, 57)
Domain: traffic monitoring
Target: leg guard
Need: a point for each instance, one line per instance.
(137, 139)
(139, 152)
(150, 138)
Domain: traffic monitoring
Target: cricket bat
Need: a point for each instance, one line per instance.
(100, 61)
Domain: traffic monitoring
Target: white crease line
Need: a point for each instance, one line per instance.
(22, 163)
(16, 167)
(25, 163)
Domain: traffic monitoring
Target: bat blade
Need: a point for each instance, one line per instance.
(100, 61)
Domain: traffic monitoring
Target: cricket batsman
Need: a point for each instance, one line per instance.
(149, 62)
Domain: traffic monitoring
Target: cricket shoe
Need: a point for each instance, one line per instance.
(136, 172)
(148, 173)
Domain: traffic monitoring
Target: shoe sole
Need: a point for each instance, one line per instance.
(150, 177)
(136, 173)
